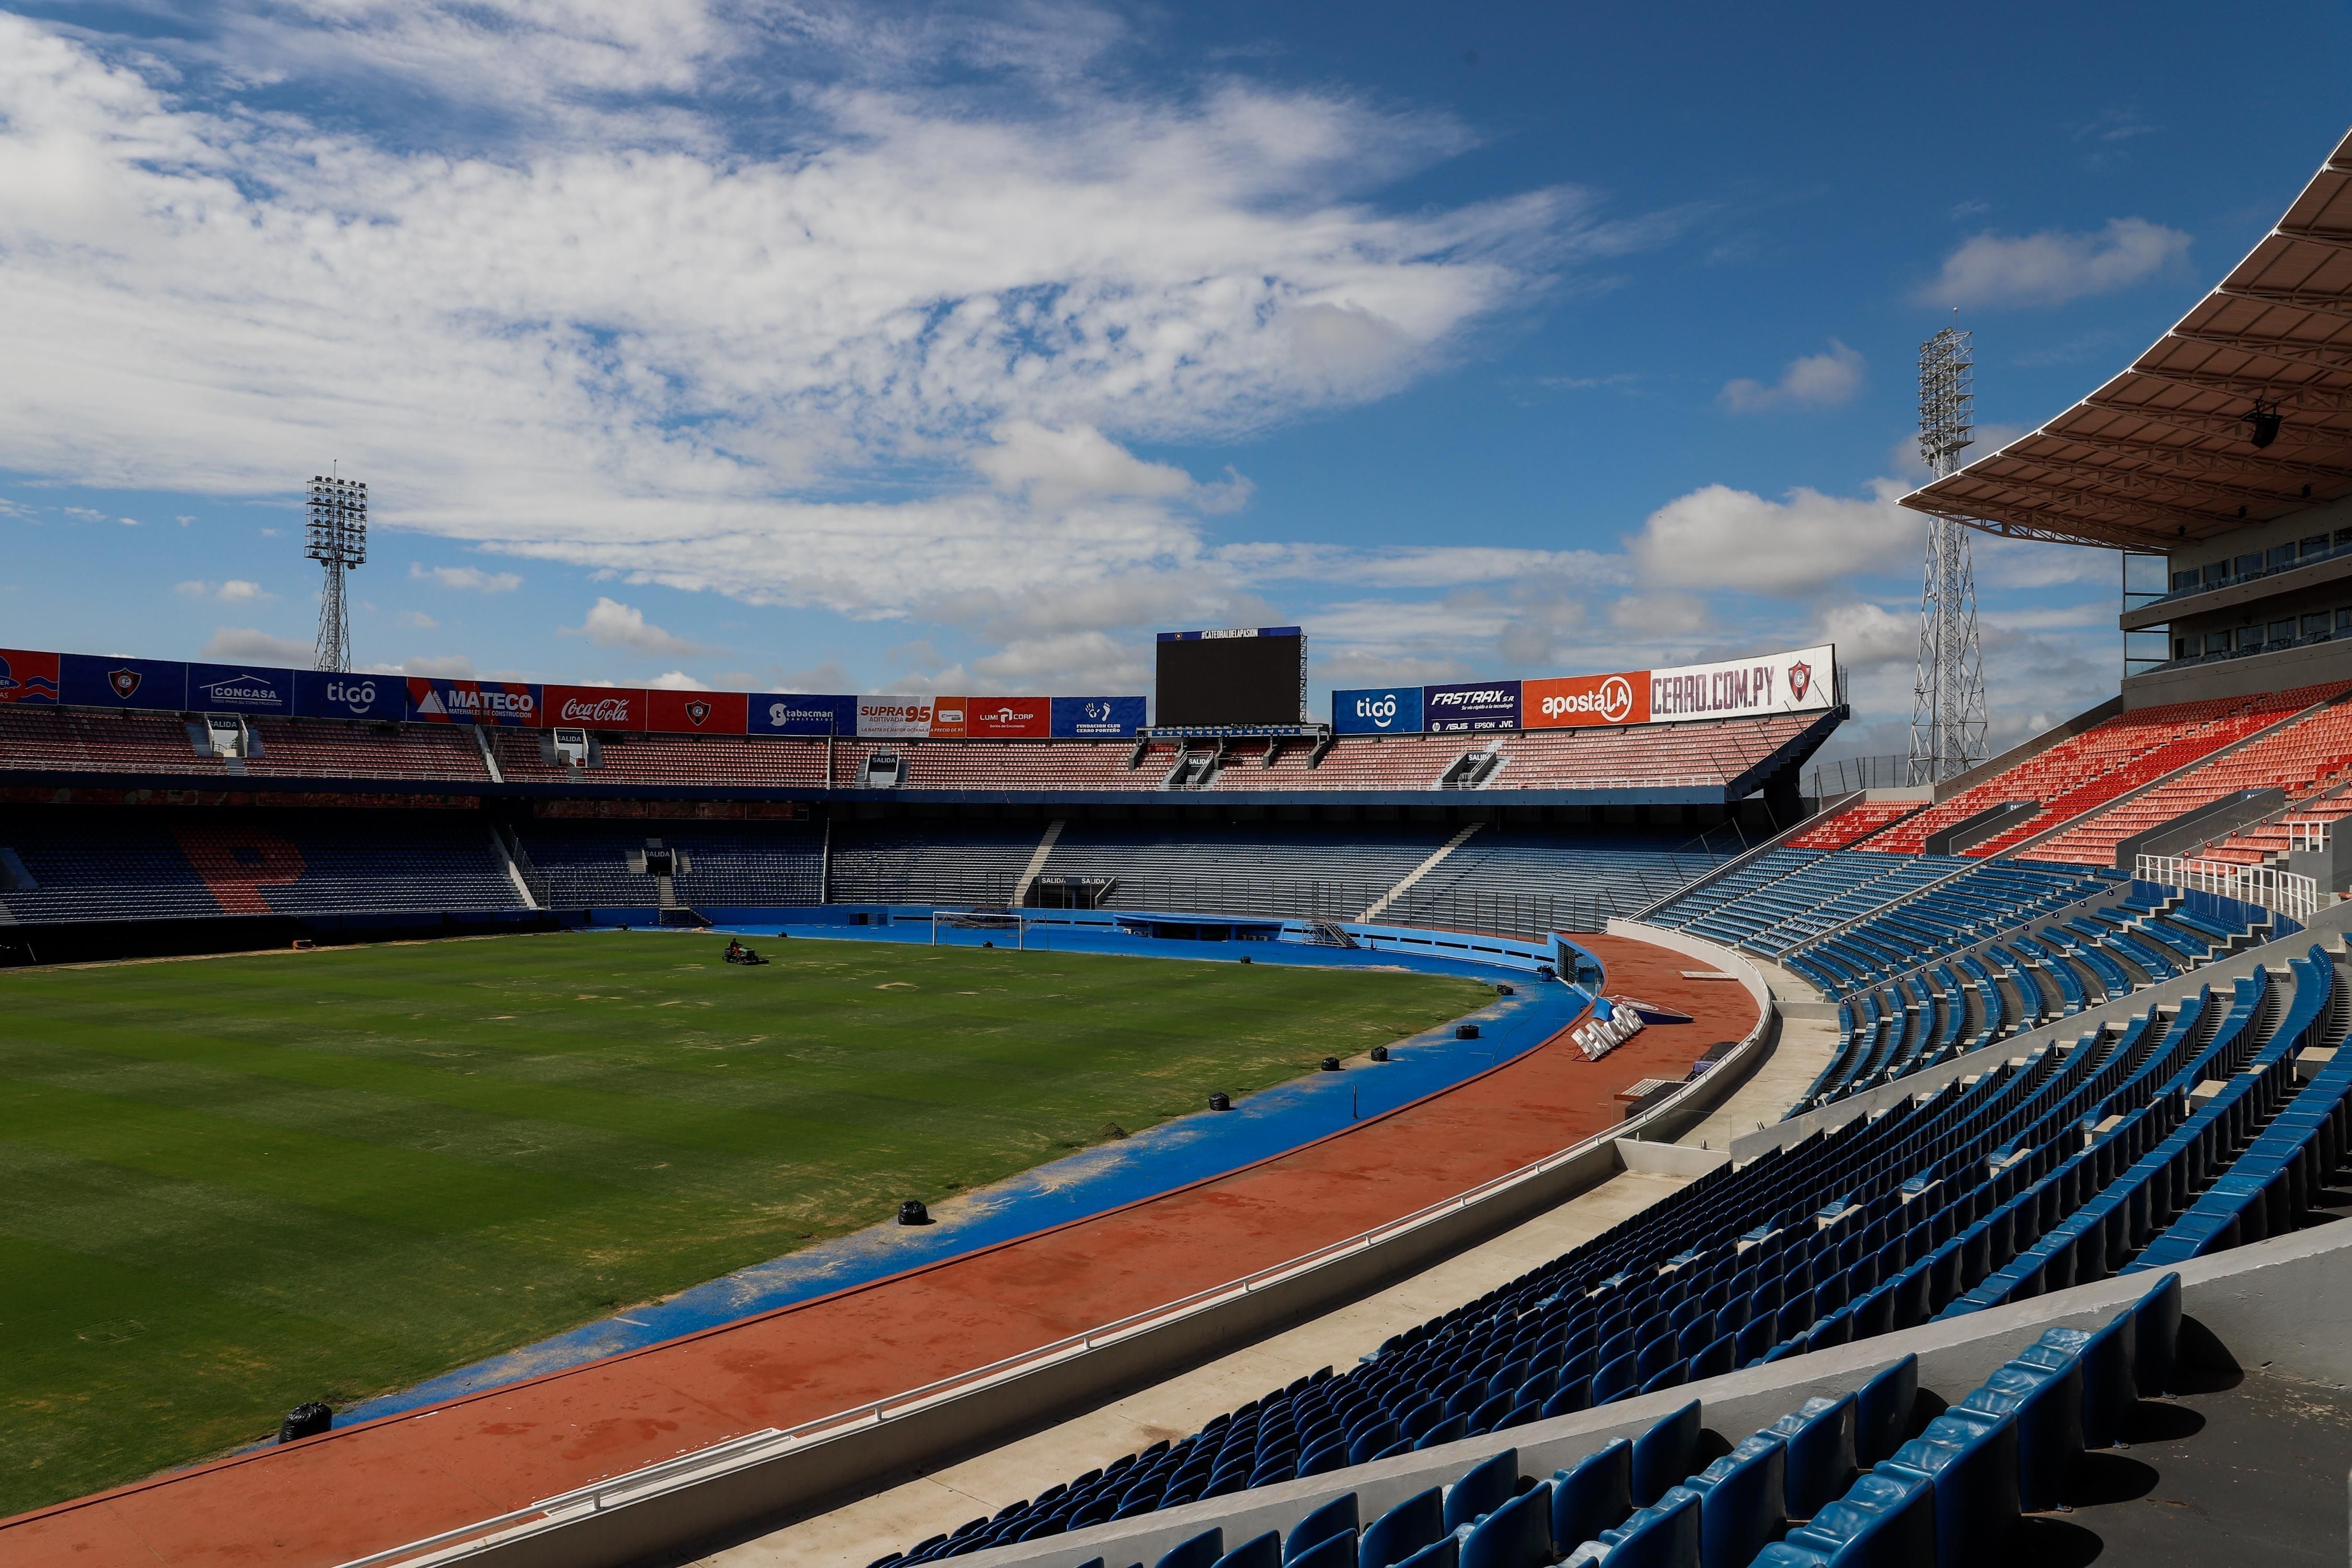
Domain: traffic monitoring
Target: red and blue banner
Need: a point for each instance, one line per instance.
(697, 713)
(27, 677)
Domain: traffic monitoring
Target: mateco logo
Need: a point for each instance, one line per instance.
(1381, 710)
(1612, 702)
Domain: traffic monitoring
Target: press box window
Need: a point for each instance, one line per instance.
(2344, 620)
(2249, 564)
(2316, 544)
(2184, 648)
(2217, 642)
(2250, 636)
(2181, 580)
(2280, 555)
(2282, 631)
(2216, 572)
(2315, 626)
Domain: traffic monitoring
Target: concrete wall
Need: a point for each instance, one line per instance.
(2245, 677)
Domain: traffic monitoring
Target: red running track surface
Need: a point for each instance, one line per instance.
(370, 1487)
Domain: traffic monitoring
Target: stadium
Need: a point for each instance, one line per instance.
(1496, 1122)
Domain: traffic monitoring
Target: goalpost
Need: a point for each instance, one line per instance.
(1006, 921)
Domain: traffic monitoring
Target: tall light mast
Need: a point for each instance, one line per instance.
(1947, 707)
(336, 538)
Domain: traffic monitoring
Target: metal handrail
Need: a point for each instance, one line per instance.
(2285, 893)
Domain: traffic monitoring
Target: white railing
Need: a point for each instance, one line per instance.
(2297, 897)
(2308, 835)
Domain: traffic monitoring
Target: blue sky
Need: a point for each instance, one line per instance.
(960, 348)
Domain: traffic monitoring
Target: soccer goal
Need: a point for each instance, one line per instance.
(1013, 931)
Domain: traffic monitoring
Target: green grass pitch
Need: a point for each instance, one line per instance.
(232, 1184)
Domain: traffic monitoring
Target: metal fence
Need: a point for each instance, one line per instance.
(1849, 774)
(2295, 896)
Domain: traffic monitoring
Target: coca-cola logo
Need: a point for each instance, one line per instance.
(603, 710)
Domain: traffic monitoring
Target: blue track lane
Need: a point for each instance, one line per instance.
(1174, 1154)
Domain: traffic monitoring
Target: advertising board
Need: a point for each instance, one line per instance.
(801, 713)
(27, 677)
(239, 689)
(1009, 718)
(1803, 680)
(696, 712)
(1477, 705)
(328, 694)
(1096, 718)
(95, 682)
(510, 704)
(1377, 710)
(593, 707)
(948, 718)
(894, 717)
(1586, 700)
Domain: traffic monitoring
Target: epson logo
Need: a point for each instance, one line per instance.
(1381, 710)
(356, 695)
(1613, 701)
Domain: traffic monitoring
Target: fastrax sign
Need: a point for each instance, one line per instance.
(1480, 705)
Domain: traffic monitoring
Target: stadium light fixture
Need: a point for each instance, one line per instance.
(336, 538)
(2263, 422)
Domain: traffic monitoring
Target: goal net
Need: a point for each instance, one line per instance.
(970, 927)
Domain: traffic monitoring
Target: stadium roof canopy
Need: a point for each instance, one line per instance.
(2163, 454)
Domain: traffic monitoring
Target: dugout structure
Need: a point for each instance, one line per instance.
(1000, 920)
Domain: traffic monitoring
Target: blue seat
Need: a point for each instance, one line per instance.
(1662, 1455)
(1453, 1429)
(1371, 1441)
(1445, 1553)
(1743, 1502)
(1594, 1495)
(1202, 1551)
(1822, 1465)
(1884, 1520)
(1335, 1551)
(1973, 1464)
(1334, 1518)
(2105, 1358)
(1404, 1530)
(1323, 1460)
(1663, 1537)
(1258, 1551)
(1484, 1488)
(1882, 1411)
(1516, 1535)
(2156, 1317)
(2047, 1406)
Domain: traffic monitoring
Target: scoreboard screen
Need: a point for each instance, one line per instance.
(1249, 675)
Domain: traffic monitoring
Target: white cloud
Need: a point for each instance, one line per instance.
(236, 589)
(471, 578)
(677, 681)
(1812, 380)
(420, 620)
(1717, 537)
(2054, 265)
(1870, 636)
(601, 331)
(238, 645)
(612, 624)
(445, 667)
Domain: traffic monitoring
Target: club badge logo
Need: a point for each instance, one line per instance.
(1800, 680)
(124, 681)
(697, 711)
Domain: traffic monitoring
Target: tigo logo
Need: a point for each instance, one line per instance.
(1381, 710)
(359, 696)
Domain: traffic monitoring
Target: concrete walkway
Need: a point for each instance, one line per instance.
(1805, 1047)
(912, 1506)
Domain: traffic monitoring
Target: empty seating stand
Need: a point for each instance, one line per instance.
(1850, 1478)
(2115, 1152)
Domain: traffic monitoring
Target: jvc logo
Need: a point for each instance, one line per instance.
(1381, 710)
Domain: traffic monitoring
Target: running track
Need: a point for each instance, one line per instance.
(368, 1487)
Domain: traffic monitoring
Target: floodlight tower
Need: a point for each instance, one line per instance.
(336, 538)
(1948, 706)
